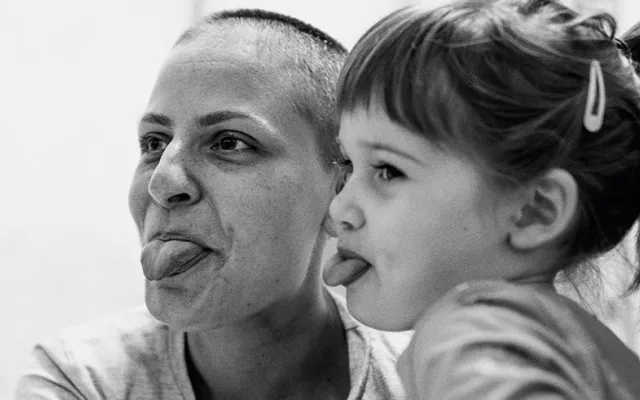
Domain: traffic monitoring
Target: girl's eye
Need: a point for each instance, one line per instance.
(153, 144)
(229, 142)
(387, 172)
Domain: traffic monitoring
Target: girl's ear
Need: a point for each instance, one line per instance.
(544, 212)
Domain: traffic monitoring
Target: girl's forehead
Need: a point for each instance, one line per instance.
(373, 114)
(373, 130)
(365, 124)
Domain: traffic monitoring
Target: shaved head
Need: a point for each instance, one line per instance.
(307, 60)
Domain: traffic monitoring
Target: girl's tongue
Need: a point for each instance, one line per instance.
(341, 271)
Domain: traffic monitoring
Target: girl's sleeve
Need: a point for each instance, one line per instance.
(483, 351)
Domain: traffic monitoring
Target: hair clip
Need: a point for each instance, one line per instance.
(596, 97)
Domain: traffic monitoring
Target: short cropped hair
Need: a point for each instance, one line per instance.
(313, 58)
(504, 83)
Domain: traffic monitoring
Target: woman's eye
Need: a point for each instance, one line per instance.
(229, 142)
(387, 172)
(153, 144)
(346, 168)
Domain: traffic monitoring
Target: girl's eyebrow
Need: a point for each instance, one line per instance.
(385, 147)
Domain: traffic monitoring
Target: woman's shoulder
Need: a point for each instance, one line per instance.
(125, 354)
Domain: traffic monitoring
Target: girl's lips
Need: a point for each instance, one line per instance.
(347, 254)
(344, 268)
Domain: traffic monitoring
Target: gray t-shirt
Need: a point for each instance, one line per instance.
(133, 356)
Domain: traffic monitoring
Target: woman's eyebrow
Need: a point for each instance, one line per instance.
(157, 119)
(218, 117)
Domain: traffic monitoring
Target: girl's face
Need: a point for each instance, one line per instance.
(413, 221)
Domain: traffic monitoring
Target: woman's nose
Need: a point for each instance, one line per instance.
(171, 184)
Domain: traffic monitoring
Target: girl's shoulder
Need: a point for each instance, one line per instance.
(490, 327)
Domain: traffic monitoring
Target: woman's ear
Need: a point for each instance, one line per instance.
(544, 212)
(338, 180)
(329, 226)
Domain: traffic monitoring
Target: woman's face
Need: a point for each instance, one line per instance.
(230, 192)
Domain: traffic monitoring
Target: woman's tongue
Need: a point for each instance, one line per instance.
(338, 271)
(162, 258)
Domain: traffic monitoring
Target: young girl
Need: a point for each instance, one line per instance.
(493, 145)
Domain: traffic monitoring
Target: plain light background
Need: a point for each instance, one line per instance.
(74, 79)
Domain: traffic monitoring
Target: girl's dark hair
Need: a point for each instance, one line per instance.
(504, 83)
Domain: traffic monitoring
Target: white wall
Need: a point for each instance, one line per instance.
(627, 12)
(74, 77)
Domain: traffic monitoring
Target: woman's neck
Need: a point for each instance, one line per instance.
(294, 349)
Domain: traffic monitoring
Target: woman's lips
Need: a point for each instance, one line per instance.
(344, 268)
(163, 258)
